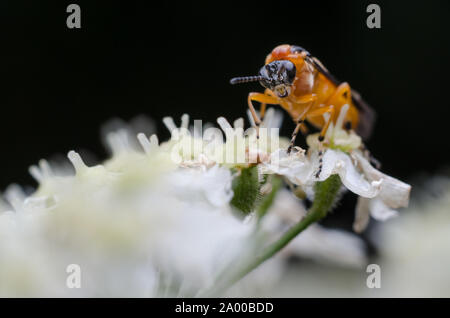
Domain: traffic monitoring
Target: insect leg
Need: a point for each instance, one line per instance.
(320, 111)
(317, 174)
(310, 98)
(262, 98)
(342, 96)
(262, 110)
(316, 112)
(300, 121)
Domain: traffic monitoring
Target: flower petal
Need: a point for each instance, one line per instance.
(294, 167)
(380, 211)
(394, 193)
(362, 215)
(329, 246)
(335, 161)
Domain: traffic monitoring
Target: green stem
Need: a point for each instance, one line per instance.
(325, 196)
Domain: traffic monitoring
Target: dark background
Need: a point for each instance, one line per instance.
(59, 85)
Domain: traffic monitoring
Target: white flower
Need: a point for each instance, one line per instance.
(137, 226)
(379, 193)
(194, 147)
(393, 194)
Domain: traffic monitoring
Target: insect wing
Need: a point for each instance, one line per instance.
(367, 116)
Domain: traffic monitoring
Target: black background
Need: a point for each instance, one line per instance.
(59, 85)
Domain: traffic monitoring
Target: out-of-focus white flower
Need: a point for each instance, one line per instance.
(378, 193)
(413, 253)
(137, 226)
(316, 242)
(415, 248)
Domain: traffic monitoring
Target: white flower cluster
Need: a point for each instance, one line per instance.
(379, 194)
(158, 222)
(136, 226)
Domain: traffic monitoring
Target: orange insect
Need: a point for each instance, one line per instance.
(300, 84)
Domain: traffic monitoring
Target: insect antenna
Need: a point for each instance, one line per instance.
(245, 79)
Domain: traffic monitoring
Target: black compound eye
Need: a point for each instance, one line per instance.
(277, 73)
(266, 74)
(290, 72)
